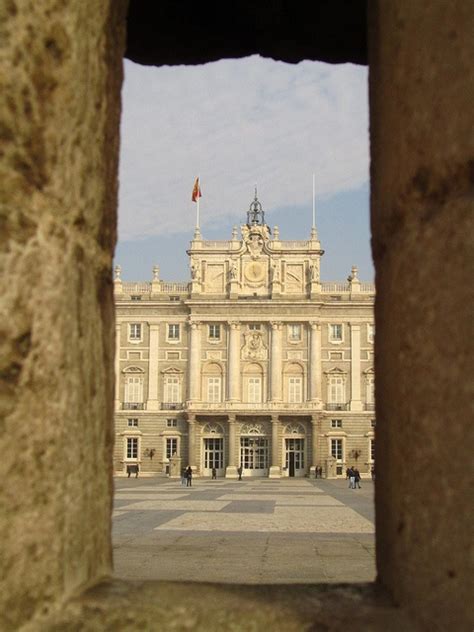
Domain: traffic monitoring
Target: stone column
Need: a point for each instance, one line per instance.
(315, 385)
(314, 446)
(275, 468)
(192, 442)
(152, 403)
(118, 328)
(231, 469)
(194, 374)
(275, 362)
(233, 365)
(356, 403)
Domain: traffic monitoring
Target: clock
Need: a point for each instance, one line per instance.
(254, 272)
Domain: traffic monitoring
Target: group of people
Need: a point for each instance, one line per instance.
(187, 477)
(353, 474)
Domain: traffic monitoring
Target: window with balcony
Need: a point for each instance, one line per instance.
(133, 390)
(336, 389)
(172, 390)
(335, 333)
(214, 389)
(295, 390)
(254, 390)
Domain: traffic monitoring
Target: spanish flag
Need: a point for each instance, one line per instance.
(196, 191)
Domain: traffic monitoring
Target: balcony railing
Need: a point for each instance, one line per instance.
(172, 405)
(336, 406)
(369, 406)
(133, 405)
(257, 406)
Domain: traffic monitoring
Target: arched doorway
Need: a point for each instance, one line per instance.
(254, 450)
(295, 449)
(212, 449)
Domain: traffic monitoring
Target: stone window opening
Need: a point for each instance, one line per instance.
(406, 246)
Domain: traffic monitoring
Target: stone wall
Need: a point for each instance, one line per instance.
(422, 152)
(60, 85)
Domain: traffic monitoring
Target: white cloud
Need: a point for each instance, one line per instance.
(237, 123)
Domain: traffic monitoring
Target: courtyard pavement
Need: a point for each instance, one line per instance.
(251, 531)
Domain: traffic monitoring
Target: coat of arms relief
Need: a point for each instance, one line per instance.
(254, 347)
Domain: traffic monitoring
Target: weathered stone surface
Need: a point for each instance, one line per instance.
(422, 147)
(60, 79)
(164, 606)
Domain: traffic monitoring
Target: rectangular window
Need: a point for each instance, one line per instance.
(335, 333)
(172, 393)
(255, 327)
(214, 332)
(254, 390)
(213, 389)
(132, 447)
(173, 332)
(372, 449)
(294, 333)
(370, 389)
(134, 389)
(174, 298)
(132, 423)
(171, 423)
(295, 390)
(370, 332)
(336, 449)
(135, 331)
(336, 423)
(336, 390)
(171, 446)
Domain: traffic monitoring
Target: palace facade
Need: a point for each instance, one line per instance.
(255, 362)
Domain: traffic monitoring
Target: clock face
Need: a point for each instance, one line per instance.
(254, 271)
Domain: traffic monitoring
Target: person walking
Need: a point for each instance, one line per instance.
(189, 476)
(239, 472)
(351, 476)
(214, 474)
(356, 478)
(183, 477)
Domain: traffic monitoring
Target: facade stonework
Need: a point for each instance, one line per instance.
(254, 363)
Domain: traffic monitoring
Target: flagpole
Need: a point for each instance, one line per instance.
(314, 234)
(197, 203)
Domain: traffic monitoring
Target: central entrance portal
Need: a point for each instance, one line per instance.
(294, 457)
(254, 450)
(213, 449)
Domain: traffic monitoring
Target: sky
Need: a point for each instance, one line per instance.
(238, 124)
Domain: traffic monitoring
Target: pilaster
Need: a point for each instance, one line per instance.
(153, 403)
(275, 468)
(194, 375)
(118, 329)
(315, 367)
(233, 369)
(231, 469)
(192, 442)
(356, 403)
(276, 362)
